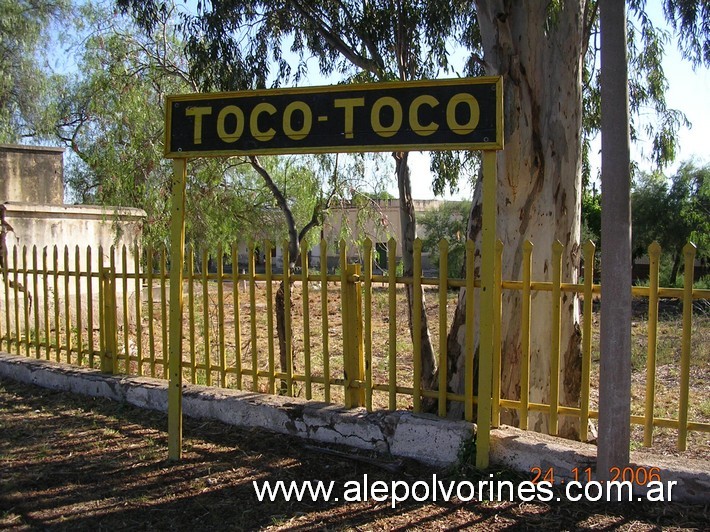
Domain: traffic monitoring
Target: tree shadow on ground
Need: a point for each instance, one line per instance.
(73, 462)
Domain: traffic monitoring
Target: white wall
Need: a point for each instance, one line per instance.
(65, 227)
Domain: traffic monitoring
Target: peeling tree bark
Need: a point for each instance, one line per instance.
(539, 186)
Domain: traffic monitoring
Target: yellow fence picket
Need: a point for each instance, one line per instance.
(49, 309)
(164, 311)
(392, 316)
(417, 326)
(252, 306)
(287, 319)
(139, 311)
(25, 301)
(151, 310)
(237, 317)
(6, 283)
(443, 329)
(109, 348)
(206, 342)
(16, 292)
(220, 319)
(325, 331)
(497, 325)
(352, 335)
(305, 303)
(124, 305)
(35, 297)
(470, 334)
(269, 317)
(589, 249)
(557, 249)
(57, 325)
(89, 307)
(190, 261)
(45, 288)
(67, 313)
(367, 318)
(79, 315)
(112, 315)
(525, 338)
(689, 258)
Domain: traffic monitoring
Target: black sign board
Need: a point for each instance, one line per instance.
(421, 115)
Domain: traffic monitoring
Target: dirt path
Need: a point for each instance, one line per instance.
(71, 462)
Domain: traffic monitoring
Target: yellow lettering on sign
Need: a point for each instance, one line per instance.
(260, 108)
(417, 127)
(475, 113)
(391, 130)
(349, 104)
(198, 113)
(238, 128)
(302, 133)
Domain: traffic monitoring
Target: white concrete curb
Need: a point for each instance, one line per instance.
(422, 437)
(524, 450)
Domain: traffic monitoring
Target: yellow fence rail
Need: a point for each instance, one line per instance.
(346, 334)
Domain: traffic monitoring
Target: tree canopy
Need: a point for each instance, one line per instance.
(24, 79)
(447, 222)
(672, 211)
(110, 114)
(244, 44)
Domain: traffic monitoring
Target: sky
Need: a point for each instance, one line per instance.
(688, 91)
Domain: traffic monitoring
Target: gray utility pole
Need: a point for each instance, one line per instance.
(615, 370)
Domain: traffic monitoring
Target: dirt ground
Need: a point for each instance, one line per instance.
(71, 462)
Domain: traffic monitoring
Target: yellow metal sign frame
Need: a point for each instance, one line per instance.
(488, 244)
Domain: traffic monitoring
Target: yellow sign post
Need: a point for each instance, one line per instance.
(485, 350)
(177, 259)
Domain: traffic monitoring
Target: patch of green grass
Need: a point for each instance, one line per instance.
(635, 445)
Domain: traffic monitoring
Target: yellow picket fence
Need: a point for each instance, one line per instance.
(347, 331)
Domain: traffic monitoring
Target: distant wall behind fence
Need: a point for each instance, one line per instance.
(40, 231)
(31, 174)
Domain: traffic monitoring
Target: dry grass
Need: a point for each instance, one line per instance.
(267, 348)
(666, 404)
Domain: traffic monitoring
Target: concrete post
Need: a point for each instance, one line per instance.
(615, 369)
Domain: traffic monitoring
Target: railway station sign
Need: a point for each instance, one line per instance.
(464, 113)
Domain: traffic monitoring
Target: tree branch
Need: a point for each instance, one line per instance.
(591, 12)
(337, 43)
(293, 240)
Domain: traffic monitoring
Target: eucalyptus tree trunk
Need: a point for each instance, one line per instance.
(540, 55)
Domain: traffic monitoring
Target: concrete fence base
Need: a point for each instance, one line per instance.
(425, 438)
(419, 436)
